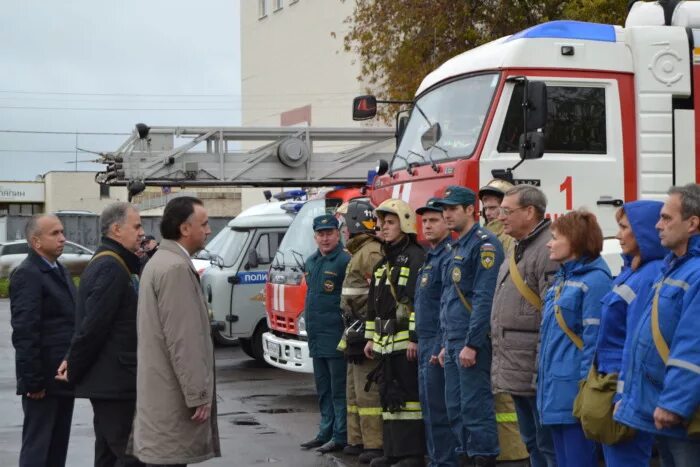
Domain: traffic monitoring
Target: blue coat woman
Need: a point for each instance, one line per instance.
(643, 259)
(569, 332)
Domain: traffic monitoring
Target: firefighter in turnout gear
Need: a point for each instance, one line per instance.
(465, 312)
(390, 329)
(490, 196)
(364, 412)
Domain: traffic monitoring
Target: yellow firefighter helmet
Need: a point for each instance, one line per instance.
(495, 187)
(401, 209)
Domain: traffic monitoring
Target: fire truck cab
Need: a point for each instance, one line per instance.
(620, 118)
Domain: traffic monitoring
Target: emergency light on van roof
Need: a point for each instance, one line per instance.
(568, 30)
(289, 194)
(292, 207)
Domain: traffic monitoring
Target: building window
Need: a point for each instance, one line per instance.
(104, 191)
(575, 121)
(278, 4)
(262, 9)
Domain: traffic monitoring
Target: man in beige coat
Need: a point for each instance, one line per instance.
(175, 421)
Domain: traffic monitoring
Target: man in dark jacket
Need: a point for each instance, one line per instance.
(102, 356)
(325, 272)
(42, 303)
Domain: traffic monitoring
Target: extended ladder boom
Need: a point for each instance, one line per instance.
(286, 156)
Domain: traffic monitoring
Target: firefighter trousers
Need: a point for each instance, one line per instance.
(512, 447)
(364, 412)
(404, 429)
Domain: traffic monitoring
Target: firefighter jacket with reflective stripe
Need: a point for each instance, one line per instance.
(366, 251)
(429, 291)
(515, 322)
(391, 294)
(648, 383)
(324, 280)
(473, 267)
(576, 295)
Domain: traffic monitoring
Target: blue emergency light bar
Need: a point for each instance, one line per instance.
(289, 194)
(568, 30)
(292, 207)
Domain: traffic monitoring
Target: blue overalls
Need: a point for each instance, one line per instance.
(615, 322)
(576, 293)
(648, 381)
(440, 441)
(473, 267)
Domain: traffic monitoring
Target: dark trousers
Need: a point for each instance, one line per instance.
(46, 431)
(330, 375)
(112, 422)
(166, 465)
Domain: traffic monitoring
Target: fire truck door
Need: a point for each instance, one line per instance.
(582, 166)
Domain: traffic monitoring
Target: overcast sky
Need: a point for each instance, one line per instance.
(59, 59)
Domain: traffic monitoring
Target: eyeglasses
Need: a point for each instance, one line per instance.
(507, 212)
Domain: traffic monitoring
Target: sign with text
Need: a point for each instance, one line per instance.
(22, 192)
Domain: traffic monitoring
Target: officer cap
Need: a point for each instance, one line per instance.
(431, 205)
(325, 222)
(456, 195)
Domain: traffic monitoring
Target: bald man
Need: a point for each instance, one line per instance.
(42, 303)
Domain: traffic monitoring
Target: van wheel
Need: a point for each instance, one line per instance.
(223, 339)
(256, 343)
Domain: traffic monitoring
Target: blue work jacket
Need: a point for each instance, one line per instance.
(473, 267)
(642, 216)
(648, 382)
(429, 291)
(324, 281)
(562, 365)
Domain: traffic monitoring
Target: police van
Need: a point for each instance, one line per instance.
(240, 256)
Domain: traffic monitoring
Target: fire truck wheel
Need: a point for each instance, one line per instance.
(247, 347)
(256, 343)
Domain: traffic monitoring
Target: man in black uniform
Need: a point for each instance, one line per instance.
(390, 315)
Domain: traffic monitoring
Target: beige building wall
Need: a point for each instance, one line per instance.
(78, 191)
(294, 70)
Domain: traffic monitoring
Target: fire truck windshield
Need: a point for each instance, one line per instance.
(298, 243)
(460, 107)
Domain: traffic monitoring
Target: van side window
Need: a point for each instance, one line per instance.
(575, 121)
(262, 248)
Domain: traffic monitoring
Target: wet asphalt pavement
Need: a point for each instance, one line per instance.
(264, 413)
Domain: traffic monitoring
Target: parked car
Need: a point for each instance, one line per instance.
(75, 257)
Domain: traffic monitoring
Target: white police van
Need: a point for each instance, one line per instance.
(240, 256)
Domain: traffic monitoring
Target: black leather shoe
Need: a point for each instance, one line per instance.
(368, 455)
(353, 449)
(314, 443)
(413, 461)
(330, 446)
(382, 461)
(484, 461)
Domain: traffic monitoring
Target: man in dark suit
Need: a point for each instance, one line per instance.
(102, 356)
(42, 303)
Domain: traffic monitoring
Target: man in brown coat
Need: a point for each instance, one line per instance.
(516, 313)
(175, 420)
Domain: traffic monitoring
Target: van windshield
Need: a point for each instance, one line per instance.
(227, 245)
(460, 107)
(299, 242)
